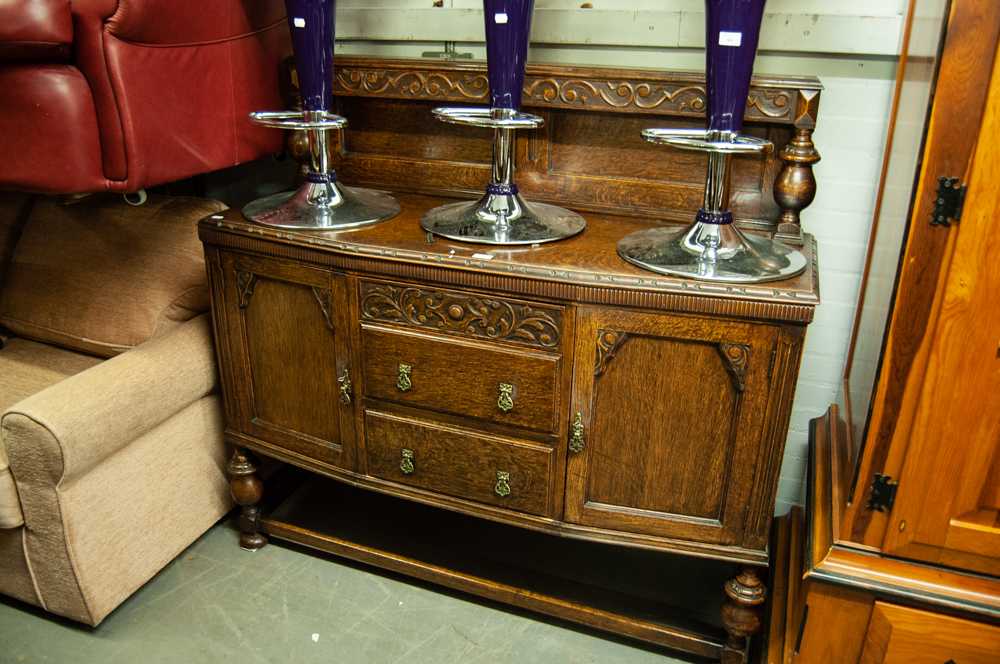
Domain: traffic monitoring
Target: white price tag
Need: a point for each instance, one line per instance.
(299, 22)
(500, 18)
(730, 38)
(484, 257)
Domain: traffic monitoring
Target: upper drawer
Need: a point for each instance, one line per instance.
(490, 383)
(527, 324)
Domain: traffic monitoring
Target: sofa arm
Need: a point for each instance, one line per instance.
(65, 430)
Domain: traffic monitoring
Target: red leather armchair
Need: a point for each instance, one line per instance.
(119, 95)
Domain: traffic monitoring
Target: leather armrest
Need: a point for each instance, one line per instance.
(60, 433)
(36, 30)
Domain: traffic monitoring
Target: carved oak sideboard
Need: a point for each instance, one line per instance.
(547, 426)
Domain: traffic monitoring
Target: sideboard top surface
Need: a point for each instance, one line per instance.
(584, 269)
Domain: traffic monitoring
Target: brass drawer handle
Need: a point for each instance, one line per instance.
(506, 400)
(576, 443)
(406, 464)
(403, 382)
(503, 483)
(345, 388)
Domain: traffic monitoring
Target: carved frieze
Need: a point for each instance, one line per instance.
(596, 89)
(245, 281)
(736, 357)
(485, 317)
(608, 341)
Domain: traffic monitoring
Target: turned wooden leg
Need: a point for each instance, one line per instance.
(741, 612)
(247, 490)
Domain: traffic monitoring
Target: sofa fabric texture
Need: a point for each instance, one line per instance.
(123, 274)
(108, 467)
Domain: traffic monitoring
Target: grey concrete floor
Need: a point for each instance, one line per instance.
(216, 603)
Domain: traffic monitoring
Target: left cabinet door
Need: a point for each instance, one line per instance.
(290, 357)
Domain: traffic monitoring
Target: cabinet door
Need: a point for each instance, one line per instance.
(290, 351)
(901, 635)
(673, 410)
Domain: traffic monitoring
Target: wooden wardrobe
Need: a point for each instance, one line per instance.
(897, 556)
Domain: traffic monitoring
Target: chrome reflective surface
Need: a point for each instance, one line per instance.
(501, 216)
(707, 141)
(322, 206)
(322, 203)
(503, 219)
(711, 252)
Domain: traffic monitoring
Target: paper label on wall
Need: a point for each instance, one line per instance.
(500, 18)
(299, 22)
(730, 38)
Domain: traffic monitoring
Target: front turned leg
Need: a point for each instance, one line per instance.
(247, 489)
(741, 612)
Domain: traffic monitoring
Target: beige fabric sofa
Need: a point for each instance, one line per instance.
(111, 452)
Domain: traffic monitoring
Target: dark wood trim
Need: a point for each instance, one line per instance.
(777, 99)
(584, 269)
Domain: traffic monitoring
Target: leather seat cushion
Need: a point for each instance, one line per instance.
(101, 276)
(28, 367)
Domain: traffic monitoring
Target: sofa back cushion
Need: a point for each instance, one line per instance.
(102, 276)
(14, 209)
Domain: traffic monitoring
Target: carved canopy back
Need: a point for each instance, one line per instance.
(589, 154)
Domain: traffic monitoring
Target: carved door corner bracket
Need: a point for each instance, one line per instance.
(608, 342)
(736, 357)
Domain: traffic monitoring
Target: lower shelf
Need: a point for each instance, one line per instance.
(657, 597)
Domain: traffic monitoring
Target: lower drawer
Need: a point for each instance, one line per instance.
(487, 469)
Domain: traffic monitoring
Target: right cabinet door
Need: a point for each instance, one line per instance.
(671, 432)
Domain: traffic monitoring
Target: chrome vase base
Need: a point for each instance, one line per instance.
(711, 252)
(504, 219)
(326, 206)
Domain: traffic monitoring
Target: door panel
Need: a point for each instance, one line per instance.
(293, 349)
(673, 411)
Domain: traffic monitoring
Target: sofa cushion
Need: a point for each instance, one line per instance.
(101, 276)
(28, 367)
(14, 209)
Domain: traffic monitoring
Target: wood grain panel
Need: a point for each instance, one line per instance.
(683, 460)
(673, 437)
(461, 378)
(959, 101)
(460, 463)
(901, 635)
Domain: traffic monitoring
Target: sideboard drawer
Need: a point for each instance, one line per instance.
(497, 471)
(507, 386)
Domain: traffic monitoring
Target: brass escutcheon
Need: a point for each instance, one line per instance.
(503, 486)
(345, 388)
(506, 400)
(406, 465)
(576, 443)
(403, 382)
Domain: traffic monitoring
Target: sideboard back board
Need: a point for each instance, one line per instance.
(589, 155)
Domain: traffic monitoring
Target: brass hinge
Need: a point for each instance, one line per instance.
(883, 493)
(949, 202)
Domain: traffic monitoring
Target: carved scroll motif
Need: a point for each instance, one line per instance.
(417, 84)
(325, 298)
(680, 98)
(489, 318)
(773, 105)
(608, 342)
(736, 358)
(245, 281)
(616, 94)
